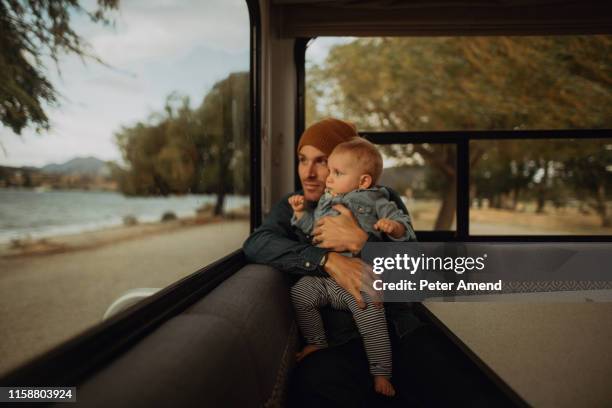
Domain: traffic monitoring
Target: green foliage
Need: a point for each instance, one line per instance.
(31, 30)
(472, 83)
(185, 150)
(467, 83)
(590, 174)
(541, 170)
(226, 123)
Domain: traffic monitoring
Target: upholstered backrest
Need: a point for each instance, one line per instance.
(232, 348)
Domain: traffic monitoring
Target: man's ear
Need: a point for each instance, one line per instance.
(365, 181)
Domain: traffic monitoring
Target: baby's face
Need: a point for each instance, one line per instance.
(345, 175)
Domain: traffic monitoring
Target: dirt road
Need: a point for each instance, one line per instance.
(47, 299)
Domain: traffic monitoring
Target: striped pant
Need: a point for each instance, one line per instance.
(311, 293)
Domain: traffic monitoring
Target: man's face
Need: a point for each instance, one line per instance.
(313, 172)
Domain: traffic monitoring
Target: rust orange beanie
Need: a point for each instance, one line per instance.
(327, 134)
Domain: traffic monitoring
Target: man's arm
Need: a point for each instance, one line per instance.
(277, 244)
(342, 232)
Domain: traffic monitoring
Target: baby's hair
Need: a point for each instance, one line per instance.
(366, 154)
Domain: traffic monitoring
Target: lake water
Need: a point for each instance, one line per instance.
(26, 213)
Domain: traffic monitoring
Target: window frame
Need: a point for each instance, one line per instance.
(461, 139)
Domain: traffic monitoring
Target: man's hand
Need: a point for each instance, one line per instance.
(354, 275)
(340, 233)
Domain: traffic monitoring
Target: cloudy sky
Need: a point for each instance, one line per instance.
(319, 48)
(156, 47)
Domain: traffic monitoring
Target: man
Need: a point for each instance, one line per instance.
(278, 244)
(339, 376)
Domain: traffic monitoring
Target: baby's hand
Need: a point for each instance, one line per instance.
(297, 202)
(390, 227)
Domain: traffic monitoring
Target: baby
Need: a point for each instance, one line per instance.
(354, 168)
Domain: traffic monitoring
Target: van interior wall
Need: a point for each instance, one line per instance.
(279, 90)
(309, 18)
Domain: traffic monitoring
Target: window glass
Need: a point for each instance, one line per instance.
(482, 83)
(543, 187)
(462, 83)
(142, 177)
(424, 175)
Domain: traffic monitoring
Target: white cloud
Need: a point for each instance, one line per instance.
(319, 48)
(157, 47)
(149, 30)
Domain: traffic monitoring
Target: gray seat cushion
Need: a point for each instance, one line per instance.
(256, 301)
(232, 348)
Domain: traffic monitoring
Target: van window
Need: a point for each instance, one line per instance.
(462, 83)
(143, 177)
(427, 187)
(544, 187)
(482, 90)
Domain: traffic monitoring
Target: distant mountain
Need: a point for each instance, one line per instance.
(79, 165)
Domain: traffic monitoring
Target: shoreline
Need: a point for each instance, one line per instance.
(92, 239)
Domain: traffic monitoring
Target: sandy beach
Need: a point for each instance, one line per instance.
(53, 289)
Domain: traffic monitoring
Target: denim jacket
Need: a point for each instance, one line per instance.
(279, 244)
(367, 205)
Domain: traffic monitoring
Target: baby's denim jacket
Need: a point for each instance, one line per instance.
(367, 205)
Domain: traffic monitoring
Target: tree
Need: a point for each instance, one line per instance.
(161, 154)
(395, 84)
(226, 123)
(30, 32)
(590, 174)
(184, 150)
(503, 172)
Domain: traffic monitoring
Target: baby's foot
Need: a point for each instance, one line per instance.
(310, 348)
(383, 386)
